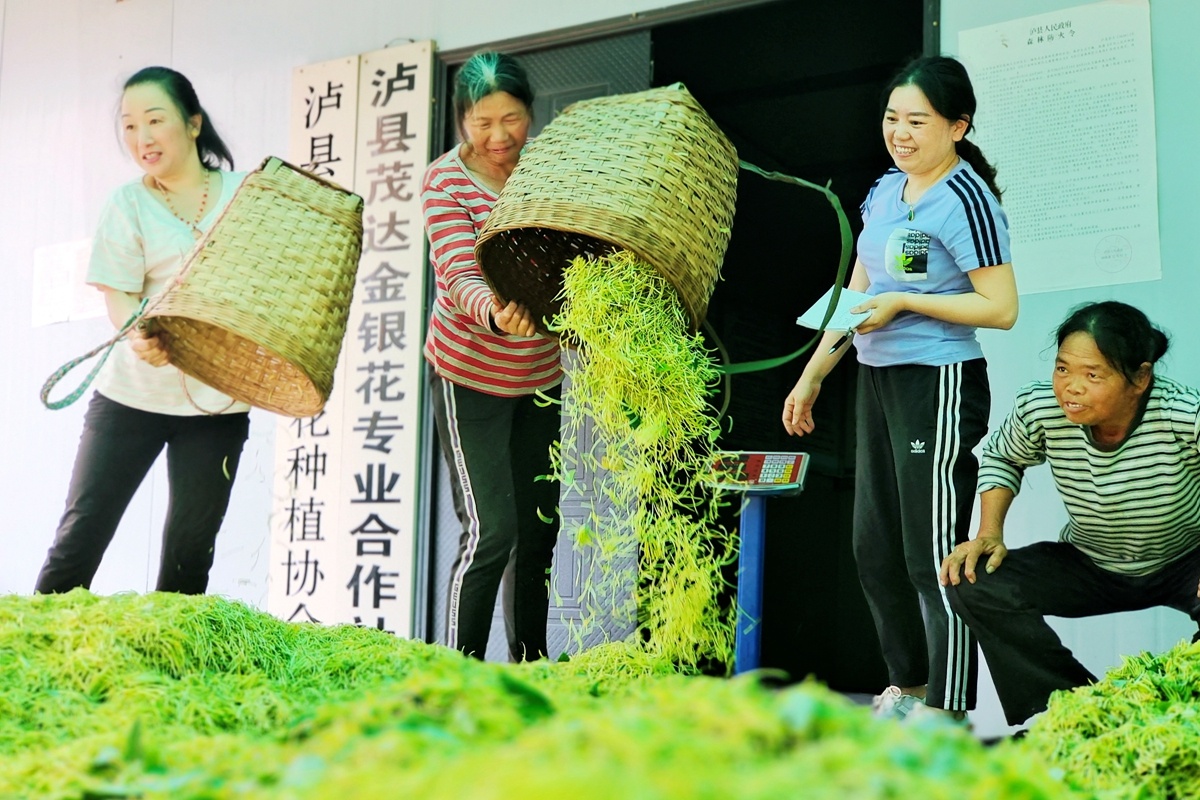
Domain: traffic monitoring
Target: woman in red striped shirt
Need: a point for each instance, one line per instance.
(488, 362)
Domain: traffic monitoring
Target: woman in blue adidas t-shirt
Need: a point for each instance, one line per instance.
(934, 256)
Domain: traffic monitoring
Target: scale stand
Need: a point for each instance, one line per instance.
(756, 476)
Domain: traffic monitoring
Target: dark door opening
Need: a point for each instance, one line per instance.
(795, 85)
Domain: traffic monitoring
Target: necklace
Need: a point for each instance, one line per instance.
(195, 223)
(912, 211)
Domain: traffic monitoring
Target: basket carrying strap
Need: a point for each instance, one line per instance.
(197, 406)
(62, 371)
(843, 265)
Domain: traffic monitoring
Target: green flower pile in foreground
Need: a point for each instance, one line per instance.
(190, 698)
(642, 381)
(1135, 734)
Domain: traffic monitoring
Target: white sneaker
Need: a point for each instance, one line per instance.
(895, 704)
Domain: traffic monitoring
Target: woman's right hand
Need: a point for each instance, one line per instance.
(149, 347)
(964, 558)
(797, 409)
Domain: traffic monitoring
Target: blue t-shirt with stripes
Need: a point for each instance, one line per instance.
(957, 226)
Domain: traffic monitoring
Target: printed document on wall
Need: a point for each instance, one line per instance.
(1066, 114)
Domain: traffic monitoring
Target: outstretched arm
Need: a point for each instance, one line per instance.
(797, 408)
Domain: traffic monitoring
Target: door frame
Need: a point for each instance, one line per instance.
(423, 626)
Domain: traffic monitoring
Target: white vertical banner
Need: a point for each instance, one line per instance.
(324, 118)
(306, 571)
(383, 361)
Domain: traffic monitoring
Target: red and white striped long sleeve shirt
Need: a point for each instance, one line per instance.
(461, 344)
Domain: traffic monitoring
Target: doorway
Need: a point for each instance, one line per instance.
(560, 76)
(795, 86)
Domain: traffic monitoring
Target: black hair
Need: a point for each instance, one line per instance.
(209, 145)
(1122, 333)
(485, 73)
(945, 83)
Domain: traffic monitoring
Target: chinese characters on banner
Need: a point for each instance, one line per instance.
(347, 480)
(1066, 112)
(324, 113)
(383, 353)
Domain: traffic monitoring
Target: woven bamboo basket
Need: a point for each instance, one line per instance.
(260, 308)
(648, 172)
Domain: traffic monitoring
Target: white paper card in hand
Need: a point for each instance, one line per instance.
(842, 319)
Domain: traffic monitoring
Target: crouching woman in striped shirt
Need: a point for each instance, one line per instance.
(1123, 446)
(488, 362)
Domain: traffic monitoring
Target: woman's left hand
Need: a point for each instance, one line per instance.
(883, 307)
(514, 319)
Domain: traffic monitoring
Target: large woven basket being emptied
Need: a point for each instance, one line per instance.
(261, 305)
(648, 172)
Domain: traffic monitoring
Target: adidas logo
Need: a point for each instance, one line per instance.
(918, 447)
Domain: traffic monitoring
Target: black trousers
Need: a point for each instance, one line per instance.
(498, 451)
(118, 446)
(913, 494)
(1007, 611)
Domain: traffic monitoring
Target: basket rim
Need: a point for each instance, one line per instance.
(695, 314)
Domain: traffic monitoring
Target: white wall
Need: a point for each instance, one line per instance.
(1023, 354)
(62, 63)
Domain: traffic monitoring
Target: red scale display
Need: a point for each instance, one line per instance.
(760, 469)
